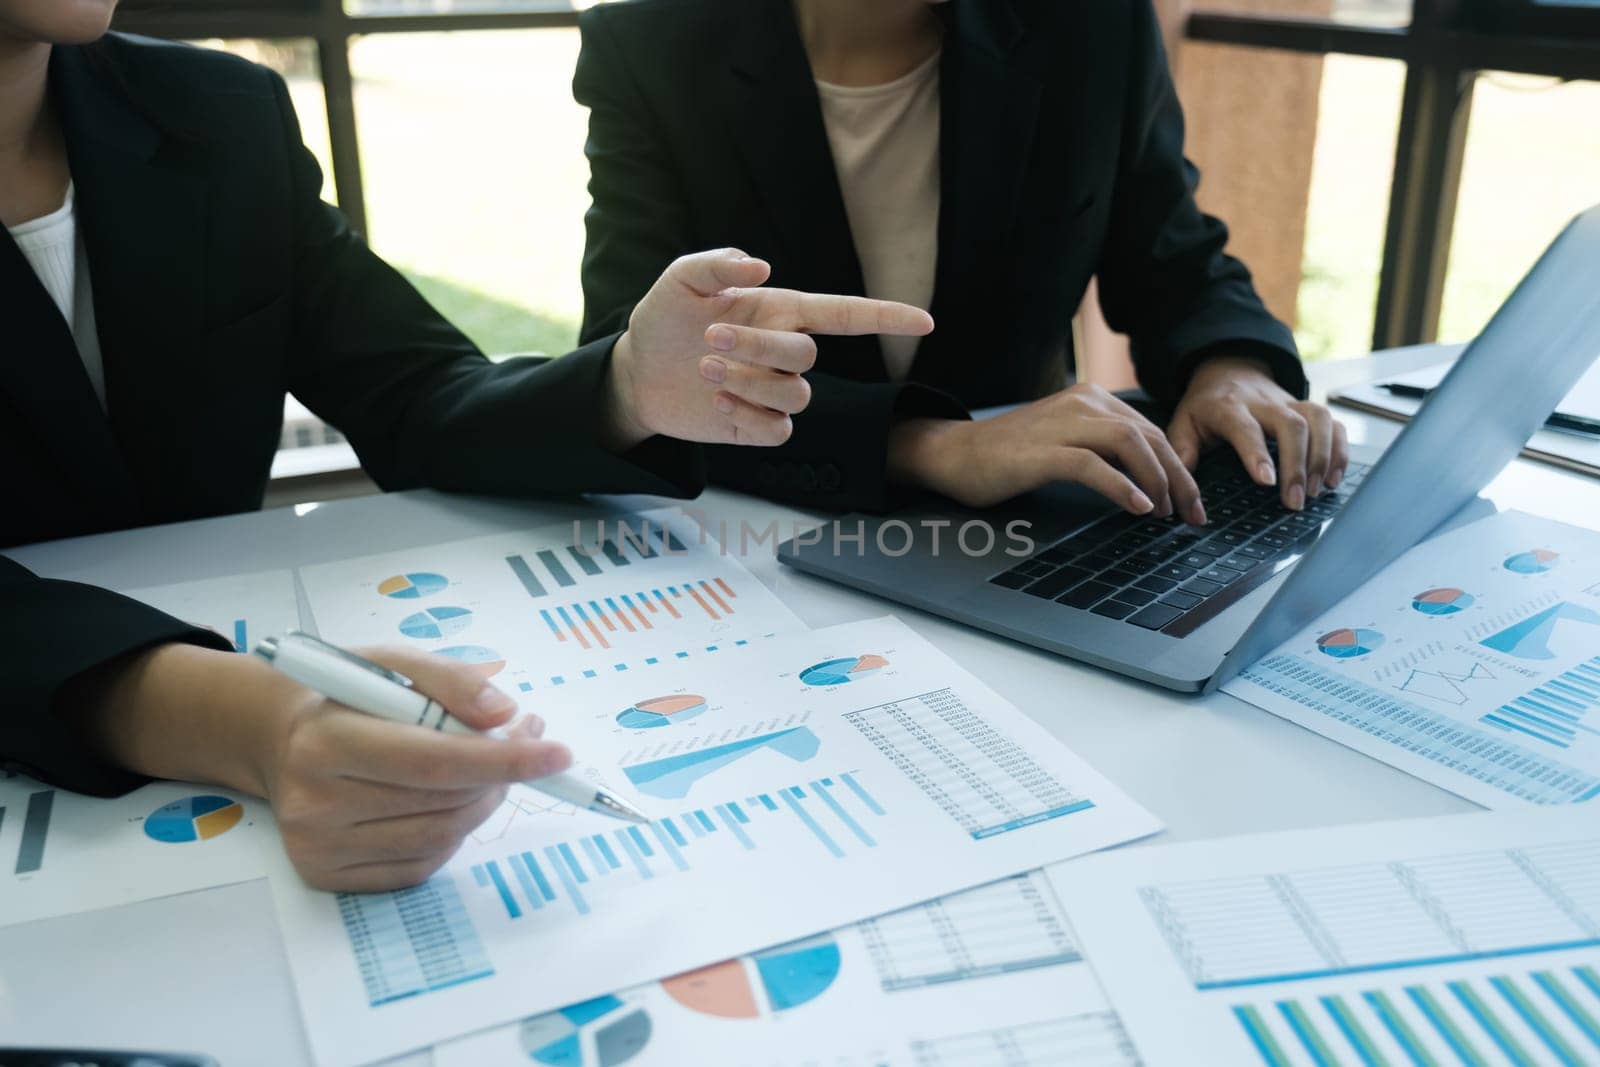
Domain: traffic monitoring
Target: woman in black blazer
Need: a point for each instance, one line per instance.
(167, 272)
(1049, 151)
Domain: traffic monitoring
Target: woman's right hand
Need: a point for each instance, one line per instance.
(1082, 434)
(363, 804)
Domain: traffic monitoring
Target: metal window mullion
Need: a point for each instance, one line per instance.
(1429, 149)
(338, 88)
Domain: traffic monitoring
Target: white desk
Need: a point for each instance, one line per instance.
(204, 972)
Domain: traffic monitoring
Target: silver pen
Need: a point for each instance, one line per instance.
(369, 687)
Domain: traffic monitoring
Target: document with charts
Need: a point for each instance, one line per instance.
(1473, 662)
(959, 980)
(815, 780)
(62, 852)
(550, 610)
(1468, 939)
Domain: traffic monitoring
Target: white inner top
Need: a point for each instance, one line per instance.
(53, 248)
(885, 141)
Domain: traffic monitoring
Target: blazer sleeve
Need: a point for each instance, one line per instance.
(639, 222)
(418, 401)
(1165, 279)
(53, 631)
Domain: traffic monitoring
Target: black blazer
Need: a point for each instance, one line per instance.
(1062, 159)
(221, 282)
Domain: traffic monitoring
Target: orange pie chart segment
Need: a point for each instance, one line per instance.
(722, 989)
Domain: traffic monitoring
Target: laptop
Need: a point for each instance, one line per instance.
(1189, 607)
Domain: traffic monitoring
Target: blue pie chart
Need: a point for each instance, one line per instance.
(197, 818)
(843, 671)
(413, 586)
(435, 623)
(1443, 601)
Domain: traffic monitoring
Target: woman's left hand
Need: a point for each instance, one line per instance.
(1236, 400)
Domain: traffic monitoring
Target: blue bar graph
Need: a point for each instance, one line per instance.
(530, 889)
(835, 816)
(525, 575)
(1554, 713)
(668, 847)
(538, 876)
(557, 571)
(567, 882)
(738, 831)
(565, 851)
(1488, 755)
(584, 559)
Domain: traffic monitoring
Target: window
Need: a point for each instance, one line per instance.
(1393, 244)
(1485, 167)
(1532, 161)
(476, 182)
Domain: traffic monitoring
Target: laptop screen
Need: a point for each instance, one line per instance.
(1506, 383)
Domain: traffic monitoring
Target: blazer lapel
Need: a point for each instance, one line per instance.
(142, 214)
(989, 106)
(777, 128)
(44, 377)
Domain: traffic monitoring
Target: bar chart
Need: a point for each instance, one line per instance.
(413, 941)
(832, 815)
(1314, 924)
(981, 778)
(1490, 758)
(1518, 1017)
(1001, 928)
(1556, 712)
(603, 621)
(35, 830)
(566, 567)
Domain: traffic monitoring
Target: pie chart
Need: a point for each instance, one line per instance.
(487, 660)
(1442, 601)
(840, 671)
(413, 586)
(752, 986)
(435, 623)
(1533, 561)
(662, 711)
(197, 818)
(1347, 644)
(603, 1032)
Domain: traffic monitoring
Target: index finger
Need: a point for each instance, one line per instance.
(401, 754)
(850, 315)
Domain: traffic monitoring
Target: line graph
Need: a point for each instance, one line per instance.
(1445, 685)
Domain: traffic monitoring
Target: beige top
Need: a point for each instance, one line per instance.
(885, 141)
(53, 247)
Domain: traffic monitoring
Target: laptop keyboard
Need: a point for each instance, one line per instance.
(1163, 574)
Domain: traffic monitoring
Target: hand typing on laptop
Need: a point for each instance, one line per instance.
(1084, 434)
(1237, 401)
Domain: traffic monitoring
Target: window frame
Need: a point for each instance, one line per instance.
(1447, 44)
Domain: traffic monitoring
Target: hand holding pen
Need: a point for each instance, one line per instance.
(367, 805)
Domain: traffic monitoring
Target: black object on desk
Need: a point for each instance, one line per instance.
(1564, 423)
(64, 1057)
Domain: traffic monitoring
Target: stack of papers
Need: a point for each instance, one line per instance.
(1402, 396)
